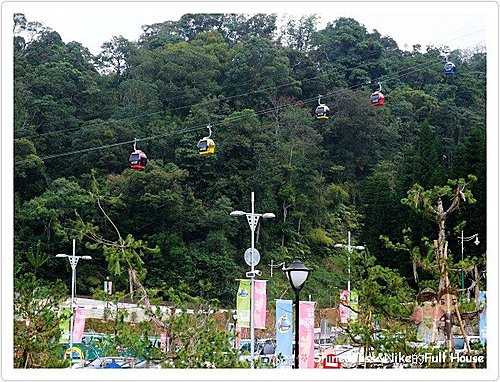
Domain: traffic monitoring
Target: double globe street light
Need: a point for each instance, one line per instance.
(468, 238)
(349, 251)
(252, 219)
(73, 260)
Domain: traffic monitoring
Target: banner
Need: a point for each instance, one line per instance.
(64, 323)
(243, 304)
(482, 317)
(354, 305)
(237, 334)
(284, 335)
(344, 310)
(163, 341)
(108, 287)
(306, 334)
(260, 304)
(78, 325)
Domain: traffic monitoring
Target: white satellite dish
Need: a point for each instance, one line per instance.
(248, 257)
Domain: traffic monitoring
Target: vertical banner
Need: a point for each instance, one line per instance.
(163, 342)
(64, 323)
(237, 334)
(108, 287)
(482, 317)
(243, 304)
(284, 357)
(260, 304)
(78, 325)
(354, 305)
(306, 334)
(343, 309)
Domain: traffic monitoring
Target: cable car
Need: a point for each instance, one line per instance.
(322, 111)
(206, 145)
(138, 159)
(449, 68)
(377, 98)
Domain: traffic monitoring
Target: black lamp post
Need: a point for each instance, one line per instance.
(235, 322)
(296, 274)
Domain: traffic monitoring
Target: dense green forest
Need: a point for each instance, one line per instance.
(256, 82)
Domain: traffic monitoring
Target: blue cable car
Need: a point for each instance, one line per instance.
(449, 68)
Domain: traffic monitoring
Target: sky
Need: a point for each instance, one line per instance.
(458, 25)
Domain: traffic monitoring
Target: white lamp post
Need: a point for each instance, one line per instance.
(252, 219)
(73, 260)
(468, 238)
(349, 251)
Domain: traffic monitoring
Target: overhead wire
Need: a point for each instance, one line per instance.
(225, 121)
(225, 98)
(258, 113)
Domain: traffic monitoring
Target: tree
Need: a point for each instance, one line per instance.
(122, 253)
(30, 179)
(196, 339)
(115, 56)
(36, 323)
(430, 204)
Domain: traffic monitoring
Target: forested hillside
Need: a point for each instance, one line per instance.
(76, 116)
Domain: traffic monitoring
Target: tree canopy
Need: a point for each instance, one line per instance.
(257, 83)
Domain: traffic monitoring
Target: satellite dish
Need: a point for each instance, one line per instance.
(248, 257)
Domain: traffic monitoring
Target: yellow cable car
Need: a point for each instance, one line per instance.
(322, 111)
(206, 145)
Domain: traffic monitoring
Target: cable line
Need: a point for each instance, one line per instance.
(237, 95)
(397, 74)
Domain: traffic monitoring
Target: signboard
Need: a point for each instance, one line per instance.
(343, 309)
(331, 362)
(243, 304)
(306, 334)
(354, 305)
(284, 335)
(78, 325)
(482, 317)
(260, 304)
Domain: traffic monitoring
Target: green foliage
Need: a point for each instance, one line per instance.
(36, 323)
(196, 338)
(257, 86)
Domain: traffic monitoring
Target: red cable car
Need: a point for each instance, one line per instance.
(138, 159)
(377, 98)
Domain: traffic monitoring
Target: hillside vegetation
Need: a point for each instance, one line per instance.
(76, 116)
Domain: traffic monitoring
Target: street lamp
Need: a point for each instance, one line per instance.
(349, 251)
(235, 322)
(296, 274)
(252, 219)
(73, 260)
(468, 238)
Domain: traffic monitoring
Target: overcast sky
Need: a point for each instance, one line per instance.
(458, 25)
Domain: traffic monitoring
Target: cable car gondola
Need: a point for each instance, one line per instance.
(138, 159)
(377, 98)
(206, 145)
(322, 111)
(449, 68)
